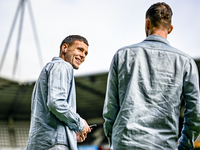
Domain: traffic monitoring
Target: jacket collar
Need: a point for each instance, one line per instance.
(61, 60)
(157, 38)
(57, 58)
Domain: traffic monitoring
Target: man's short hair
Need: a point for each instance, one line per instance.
(160, 14)
(69, 40)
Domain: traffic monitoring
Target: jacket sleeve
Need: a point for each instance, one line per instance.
(191, 124)
(60, 82)
(111, 104)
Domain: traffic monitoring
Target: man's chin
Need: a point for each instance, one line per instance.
(76, 67)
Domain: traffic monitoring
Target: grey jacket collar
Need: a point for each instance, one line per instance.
(57, 58)
(157, 38)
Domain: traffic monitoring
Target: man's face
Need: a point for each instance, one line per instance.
(76, 53)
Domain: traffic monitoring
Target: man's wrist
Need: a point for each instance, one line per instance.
(81, 125)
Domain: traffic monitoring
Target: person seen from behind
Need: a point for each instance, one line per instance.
(145, 87)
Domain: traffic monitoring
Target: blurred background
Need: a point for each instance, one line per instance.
(30, 36)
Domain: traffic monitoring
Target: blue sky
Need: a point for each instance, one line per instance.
(107, 24)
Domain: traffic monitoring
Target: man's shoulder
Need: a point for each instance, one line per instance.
(151, 45)
(132, 46)
(181, 53)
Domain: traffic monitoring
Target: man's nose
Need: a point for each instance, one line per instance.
(83, 55)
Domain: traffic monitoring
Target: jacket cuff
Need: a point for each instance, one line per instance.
(81, 125)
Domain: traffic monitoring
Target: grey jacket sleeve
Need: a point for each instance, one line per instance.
(60, 94)
(191, 124)
(111, 104)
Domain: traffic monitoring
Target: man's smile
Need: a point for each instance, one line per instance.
(78, 60)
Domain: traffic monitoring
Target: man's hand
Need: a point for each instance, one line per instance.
(78, 137)
(81, 136)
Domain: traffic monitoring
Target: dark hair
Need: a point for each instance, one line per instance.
(160, 14)
(69, 40)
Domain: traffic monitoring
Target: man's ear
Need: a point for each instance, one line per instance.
(170, 29)
(64, 48)
(147, 25)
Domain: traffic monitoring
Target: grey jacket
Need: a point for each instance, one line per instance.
(146, 84)
(53, 108)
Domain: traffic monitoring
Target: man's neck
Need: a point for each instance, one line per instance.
(160, 32)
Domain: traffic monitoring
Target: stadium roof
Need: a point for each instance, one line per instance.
(15, 98)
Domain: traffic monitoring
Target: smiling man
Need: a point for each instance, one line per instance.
(55, 125)
(74, 54)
